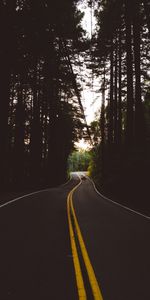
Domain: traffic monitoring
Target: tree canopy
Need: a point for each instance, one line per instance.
(121, 55)
(42, 114)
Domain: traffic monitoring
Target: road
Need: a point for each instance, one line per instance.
(71, 243)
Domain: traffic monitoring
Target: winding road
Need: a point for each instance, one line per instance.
(71, 243)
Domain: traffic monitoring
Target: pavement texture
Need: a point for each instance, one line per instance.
(35, 251)
(118, 243)
(36, 259)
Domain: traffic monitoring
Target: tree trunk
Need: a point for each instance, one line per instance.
(139, 116)
(52, 167)
(102, 116)
(4, 102)
(116, 93)
(120, 92)
(36, 134)
(18, 167)
(129, 60)
(110, 105)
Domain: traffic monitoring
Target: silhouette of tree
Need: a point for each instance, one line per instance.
(121, 44)
(40, 97)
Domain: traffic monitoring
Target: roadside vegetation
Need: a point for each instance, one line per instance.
(41, 113)
(79, 161)
(121, 59)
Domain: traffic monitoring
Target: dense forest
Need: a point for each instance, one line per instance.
(42, 115)
(121, 59)
(41, 112)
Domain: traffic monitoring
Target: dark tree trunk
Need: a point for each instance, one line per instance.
(102, 116)
(53, 164)
(6, 58)
(120, 92)
(139, 116)
(116, 93)
(19, 139)
(129, 60)
(36, 132)
(4, 102)
(110, 105)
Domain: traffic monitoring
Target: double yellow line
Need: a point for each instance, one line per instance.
(73, 224)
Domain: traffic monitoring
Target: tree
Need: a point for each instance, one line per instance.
(123, 48)
(39, 95)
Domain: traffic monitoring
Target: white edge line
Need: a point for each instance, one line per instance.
(26, 195)
(116, 203)
(30, 194)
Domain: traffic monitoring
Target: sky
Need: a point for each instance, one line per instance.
(89, 96)
(90, 99)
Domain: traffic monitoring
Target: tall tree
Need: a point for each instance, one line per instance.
(129, 60)
(36, 85)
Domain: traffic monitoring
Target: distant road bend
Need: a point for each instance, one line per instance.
(70, 243)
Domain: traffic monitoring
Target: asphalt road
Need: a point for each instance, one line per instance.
(36, 255)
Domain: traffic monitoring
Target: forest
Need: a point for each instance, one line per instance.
(41, 111)
(42, 114)
(121, 58)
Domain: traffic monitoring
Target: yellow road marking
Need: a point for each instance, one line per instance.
(78, 273)
(91, 275)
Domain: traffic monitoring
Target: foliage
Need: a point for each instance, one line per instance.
(79, 161)
(121, 55)
(42, 115)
